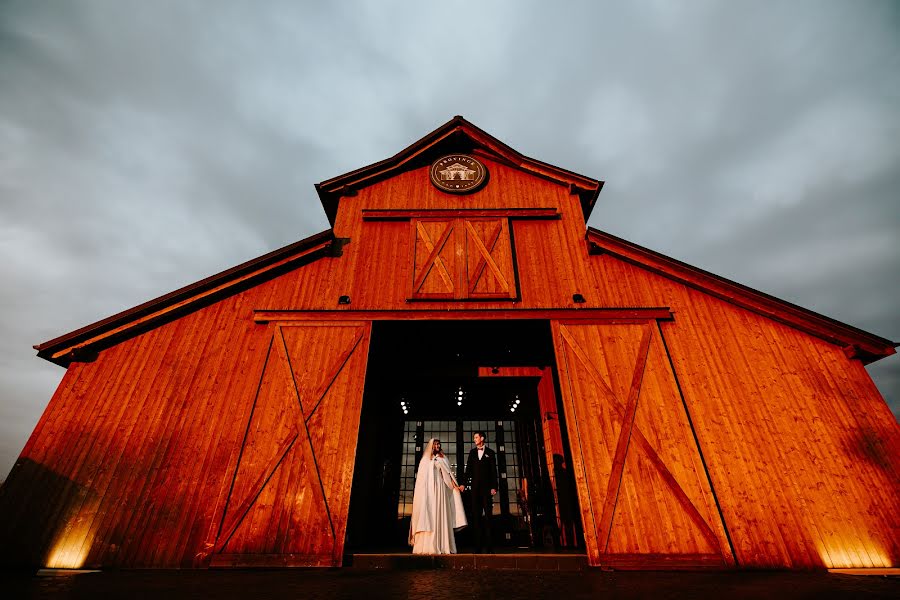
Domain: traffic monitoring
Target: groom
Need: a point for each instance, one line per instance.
(481, 477)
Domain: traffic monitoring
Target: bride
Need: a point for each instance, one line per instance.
(437, 505)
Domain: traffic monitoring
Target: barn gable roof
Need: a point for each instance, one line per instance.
(456, 135)
(857, 343)
(82, 343)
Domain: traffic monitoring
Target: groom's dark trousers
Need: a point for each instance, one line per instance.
(481, 477)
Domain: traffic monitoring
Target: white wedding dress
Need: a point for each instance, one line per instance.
(437, 509)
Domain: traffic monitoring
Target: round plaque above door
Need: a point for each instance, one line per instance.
(458, 173)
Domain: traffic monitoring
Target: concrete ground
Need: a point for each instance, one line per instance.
(435, 584)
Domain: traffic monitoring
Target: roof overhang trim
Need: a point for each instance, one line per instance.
(83, 344)
(856, 343)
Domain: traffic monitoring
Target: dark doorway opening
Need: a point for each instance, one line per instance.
(447, 379)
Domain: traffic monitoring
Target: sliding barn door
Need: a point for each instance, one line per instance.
(291, 489)
(645, 499)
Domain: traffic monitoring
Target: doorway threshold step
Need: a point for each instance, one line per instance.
(524, 561)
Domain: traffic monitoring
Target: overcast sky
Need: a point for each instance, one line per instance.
(146, 145)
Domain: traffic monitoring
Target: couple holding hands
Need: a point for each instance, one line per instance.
(437, 501)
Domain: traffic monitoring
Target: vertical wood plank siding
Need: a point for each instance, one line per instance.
(133, 461)
(639, 473)
(802, 451)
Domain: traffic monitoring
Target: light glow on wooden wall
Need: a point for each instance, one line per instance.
(855, 557)
(72, 544)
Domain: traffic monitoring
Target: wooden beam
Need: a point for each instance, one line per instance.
(510, 372)
(565, 315)
(373, 214)
(159, 315)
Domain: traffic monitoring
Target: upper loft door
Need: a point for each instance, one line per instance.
(462, 259)
(645, 498)
(290, 490)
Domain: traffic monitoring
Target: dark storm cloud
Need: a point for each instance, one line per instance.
(144, 146)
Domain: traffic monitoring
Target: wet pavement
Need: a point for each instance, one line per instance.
(437, 583)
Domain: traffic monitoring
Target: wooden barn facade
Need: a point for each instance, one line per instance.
(645, 412)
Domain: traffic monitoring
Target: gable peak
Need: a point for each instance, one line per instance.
(455, 136)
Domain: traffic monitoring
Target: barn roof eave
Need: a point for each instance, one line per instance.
(458, 135)
(81, 343)
(857, 343)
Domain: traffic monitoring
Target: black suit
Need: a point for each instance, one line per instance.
(481, 477)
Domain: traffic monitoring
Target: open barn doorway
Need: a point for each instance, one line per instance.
(447, 379)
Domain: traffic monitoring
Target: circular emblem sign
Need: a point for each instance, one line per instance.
(458, 173)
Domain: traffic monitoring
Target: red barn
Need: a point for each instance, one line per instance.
(645, 412)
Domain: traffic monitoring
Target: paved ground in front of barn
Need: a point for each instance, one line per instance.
(436, 584)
